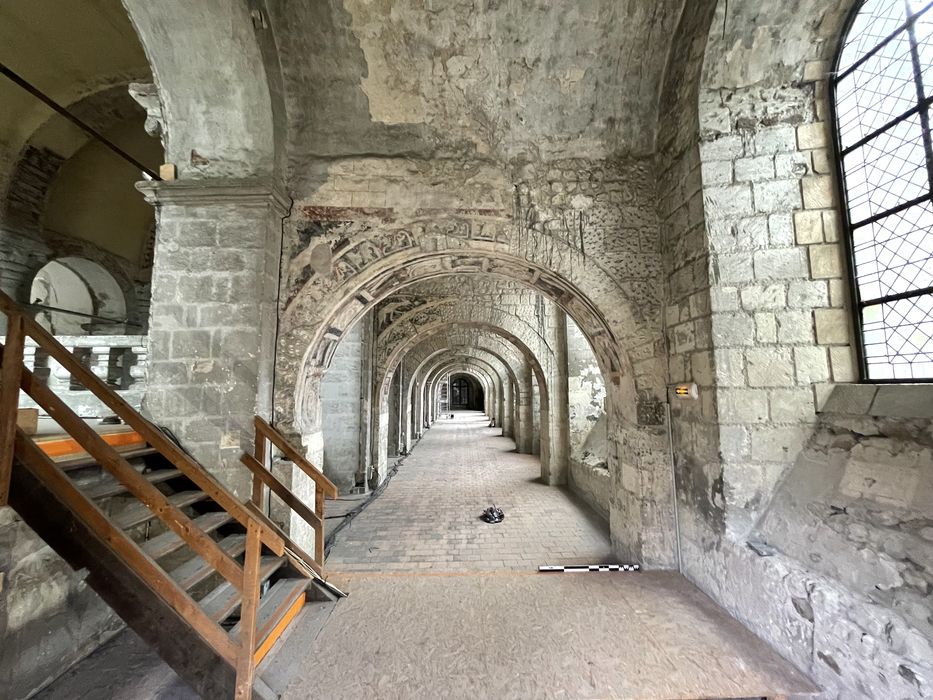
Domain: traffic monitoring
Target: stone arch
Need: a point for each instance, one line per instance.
(210, 129)
(63, 281)
(32, 198)
(493, 386)
(465, 366)
(442, 344)
(385, 373)
(337, 274)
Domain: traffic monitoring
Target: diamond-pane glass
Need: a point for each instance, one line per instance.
(899, 339)
(880, 88)
(895, 254)
(875, 22)
(883, 115)
(887, 171)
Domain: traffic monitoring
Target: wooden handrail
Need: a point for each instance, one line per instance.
(264, 477)
(162, 584)
(151, 434)
(12, 358)
(136, 483)
(282, 491)
(277, 439)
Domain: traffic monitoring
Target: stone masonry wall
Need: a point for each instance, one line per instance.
(588, 469)
(340, 410)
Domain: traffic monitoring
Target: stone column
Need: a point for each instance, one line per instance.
(559, 414)
(525, 438)
(213, 315)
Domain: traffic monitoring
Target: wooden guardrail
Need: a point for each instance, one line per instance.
(14, 377)
(267, 436)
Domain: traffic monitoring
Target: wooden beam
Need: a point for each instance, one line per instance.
(155, 437)
(87, 512)
(281, 490)
(321, 481)
(246, 663)
(135, 483)
(12, 357)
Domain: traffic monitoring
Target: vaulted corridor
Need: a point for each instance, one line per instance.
(427, 519)
(280, 320)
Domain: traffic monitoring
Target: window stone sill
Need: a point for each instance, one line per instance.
(881, 400)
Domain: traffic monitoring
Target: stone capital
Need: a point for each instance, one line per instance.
(251, 192)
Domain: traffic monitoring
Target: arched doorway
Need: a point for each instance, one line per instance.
(466, 394)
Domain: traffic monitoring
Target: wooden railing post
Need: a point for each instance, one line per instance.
(246, 663)
(319, 532)
(260, 452)
(10, 377)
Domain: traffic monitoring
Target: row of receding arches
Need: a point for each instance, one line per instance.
(453, 348)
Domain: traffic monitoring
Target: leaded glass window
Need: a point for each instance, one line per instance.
(882, 90)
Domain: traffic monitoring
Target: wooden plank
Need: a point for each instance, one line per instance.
(196, 570)
(152, 435)
(135, 483)
(172, 635)
(108, 488)
(138, 513)
(224, 600)
(27, 419)
(168, 542)
(319, 532)
(295, 456)
(88, 461)
(12, 357)
(265, 646)
(275, 607)
(281, 490)
(259, 452)
(129, 552)
(68, 447)
(246, 666)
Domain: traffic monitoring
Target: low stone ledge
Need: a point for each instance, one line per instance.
(881, 400)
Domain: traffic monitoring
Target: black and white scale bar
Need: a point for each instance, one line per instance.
(582, 568)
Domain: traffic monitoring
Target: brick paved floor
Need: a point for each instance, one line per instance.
(428, 516)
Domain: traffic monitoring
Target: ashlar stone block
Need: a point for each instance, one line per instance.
(808, 227)
(832, 326)
(769, 367)
(777, 195)
(787, 263)
(825, 261)
(818, 192)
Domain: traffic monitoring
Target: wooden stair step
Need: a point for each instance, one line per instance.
(195, 570)
(88, 461)
(107, 488)
(224, 600)
(168, 542)
(138, 513)
(277, 608)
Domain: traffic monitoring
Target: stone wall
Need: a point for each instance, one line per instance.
(341, 396)
(586, 396)
(754, 459)
(49, 617)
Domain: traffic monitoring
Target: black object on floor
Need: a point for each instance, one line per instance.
(493, 515)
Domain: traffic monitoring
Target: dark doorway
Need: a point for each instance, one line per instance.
(466, 393)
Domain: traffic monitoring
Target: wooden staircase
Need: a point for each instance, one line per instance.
(207, 581)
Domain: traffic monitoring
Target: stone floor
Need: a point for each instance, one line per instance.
(442, 604)
(427, 519)
(515, 635)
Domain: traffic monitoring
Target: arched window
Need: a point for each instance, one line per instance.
(883, 91)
